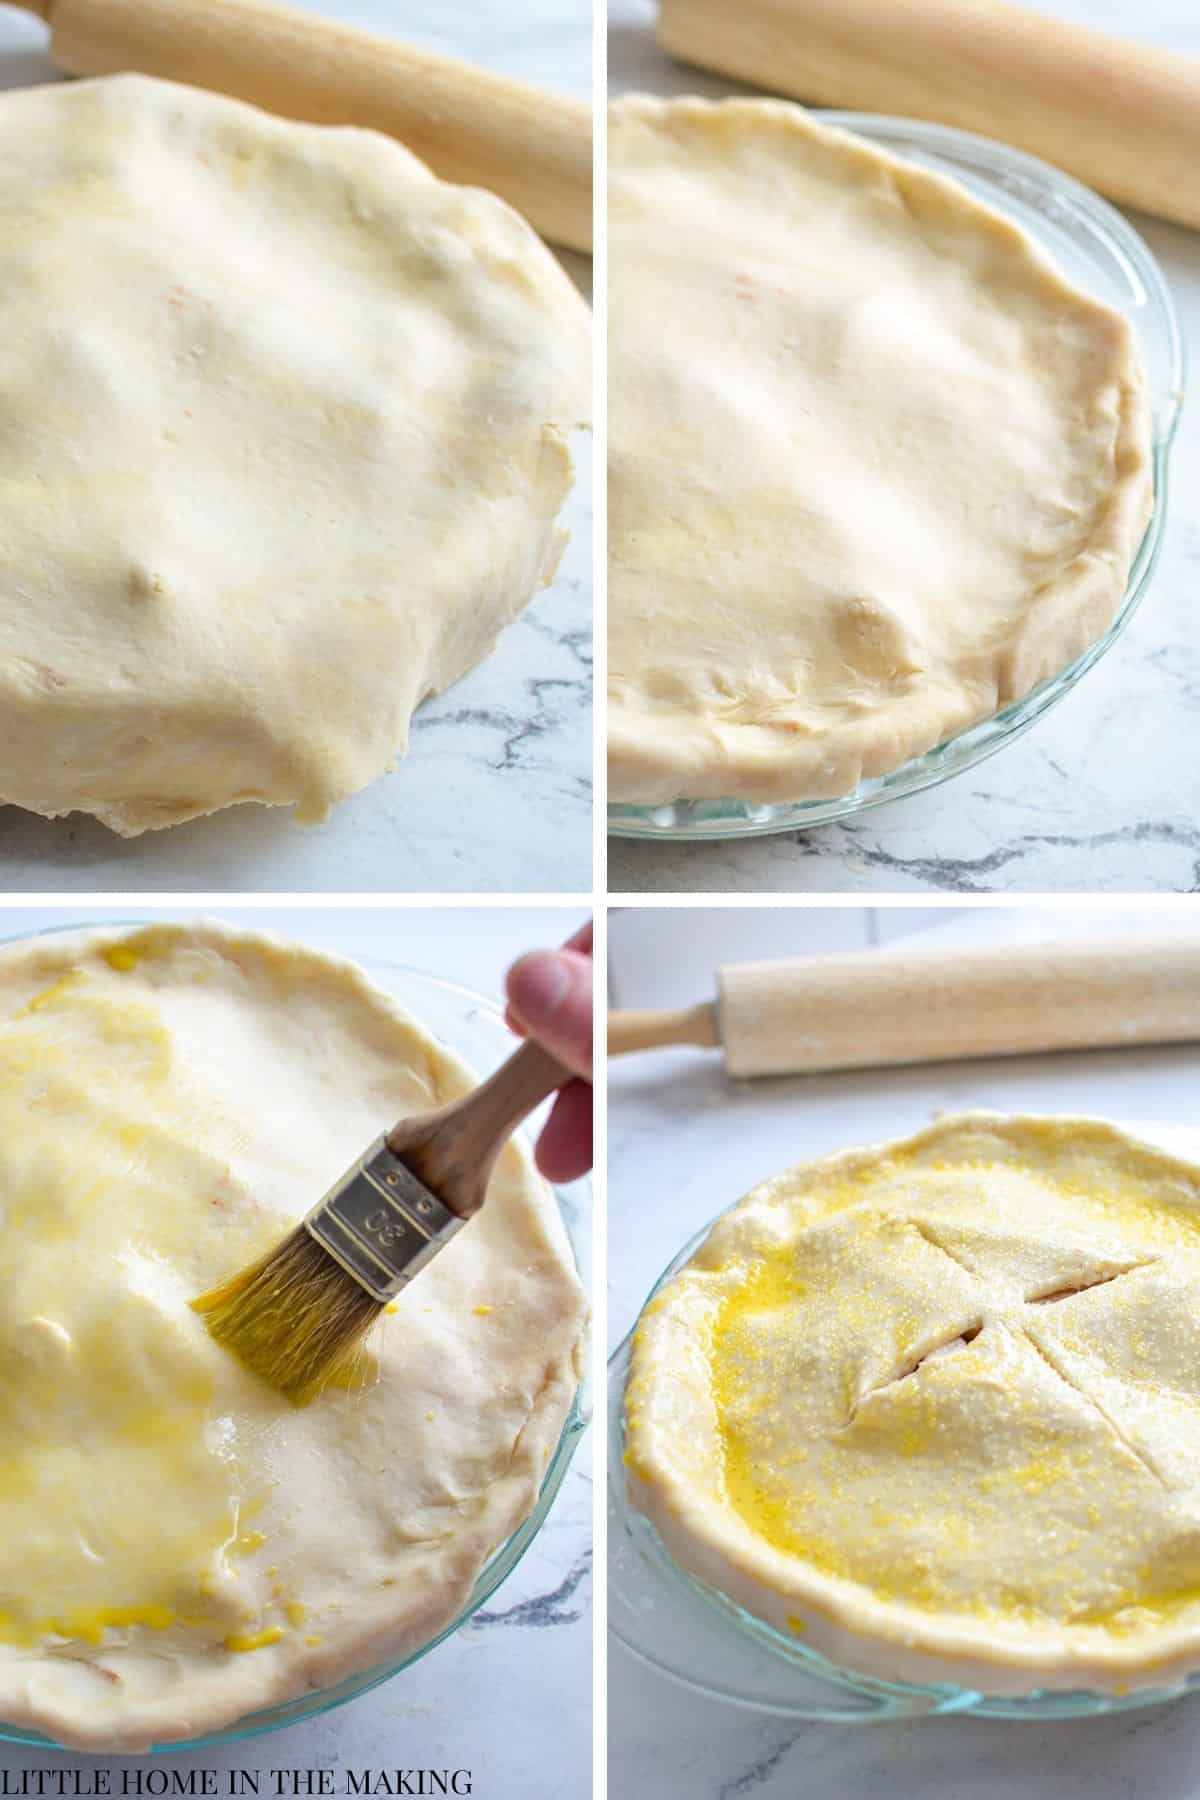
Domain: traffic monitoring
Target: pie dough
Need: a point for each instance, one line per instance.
(281, 448)
(934, 1407)
(178, 1545)
(876, 470)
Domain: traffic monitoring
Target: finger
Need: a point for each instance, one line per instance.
(564, 1150)
(550, 996)
(581, 941)
(514, 1024)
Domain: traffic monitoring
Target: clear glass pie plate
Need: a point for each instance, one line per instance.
(691, 1632)
(473, 1027)
(1101, 253)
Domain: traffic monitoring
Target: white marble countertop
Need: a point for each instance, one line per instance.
(495, 793)
(684, 1142)
(1104, 793)
(481, 1700)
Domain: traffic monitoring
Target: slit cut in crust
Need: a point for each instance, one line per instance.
(936, 1404)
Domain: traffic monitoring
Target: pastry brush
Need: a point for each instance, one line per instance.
(881, 1008)
(298, 1316)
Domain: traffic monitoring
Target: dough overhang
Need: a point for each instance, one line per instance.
(282, 448)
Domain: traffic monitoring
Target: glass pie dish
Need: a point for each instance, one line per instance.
(1101, 253)
(702, 1639)
(473, 1027)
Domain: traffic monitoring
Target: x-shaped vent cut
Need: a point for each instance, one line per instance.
(959, 1337)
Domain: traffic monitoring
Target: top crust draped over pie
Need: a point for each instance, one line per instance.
(282, 427)
(876, 469)
(934, 1407)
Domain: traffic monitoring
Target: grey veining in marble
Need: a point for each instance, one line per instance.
(687, 1748)
(495, 793)
(1104, 792)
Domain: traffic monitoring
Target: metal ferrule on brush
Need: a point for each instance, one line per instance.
(381, 1224)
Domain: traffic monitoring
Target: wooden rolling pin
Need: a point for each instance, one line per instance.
(532, 148)
(888, 1007)
(1121, 116)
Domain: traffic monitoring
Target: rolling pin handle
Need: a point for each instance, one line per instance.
(631, 1031)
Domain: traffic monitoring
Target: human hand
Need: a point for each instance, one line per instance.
(550, 999)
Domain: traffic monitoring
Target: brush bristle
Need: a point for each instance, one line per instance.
(295, 1318)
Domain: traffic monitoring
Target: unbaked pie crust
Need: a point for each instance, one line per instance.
(282, 448)
(933, 1407)
(875, 469)
(178, 1545)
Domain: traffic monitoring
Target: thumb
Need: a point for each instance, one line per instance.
(550, 998)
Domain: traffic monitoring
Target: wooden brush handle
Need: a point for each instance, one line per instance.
(630, 1031)
(532, 148)
(1124, 117)
(453, 1150)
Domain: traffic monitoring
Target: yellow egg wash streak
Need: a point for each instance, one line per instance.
(769, 1479)
(118, 1503)
(950, 1387)
(173, 1534)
